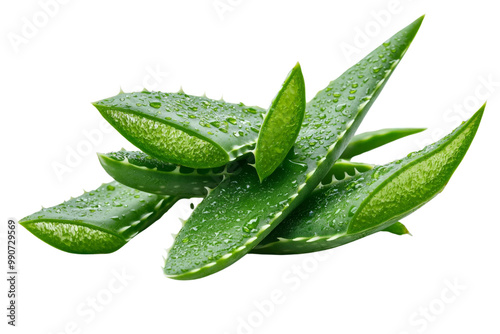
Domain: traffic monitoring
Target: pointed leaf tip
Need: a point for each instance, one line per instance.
(481, 110)
(411, 30)
(418, 22)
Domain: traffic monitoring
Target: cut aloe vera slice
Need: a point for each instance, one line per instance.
(145, 173)
(371, 201)
(281, 124)
(187, 130)
(368, 141)
(241, 211)
(99, 221)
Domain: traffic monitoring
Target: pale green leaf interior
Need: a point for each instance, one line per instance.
(415, 186)
(171, 144)
(75, 238)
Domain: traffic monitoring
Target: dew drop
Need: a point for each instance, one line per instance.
(352, 210)
(231, 120)
(340, 107)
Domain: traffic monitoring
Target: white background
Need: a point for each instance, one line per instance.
(87, 50)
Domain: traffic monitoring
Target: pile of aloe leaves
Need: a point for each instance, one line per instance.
(273, 181)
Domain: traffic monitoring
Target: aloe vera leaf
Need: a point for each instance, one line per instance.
(371, 201)
(281, 124)
(397, 228)
(187, 130)
(241, 211)
(368, 141)
(140, 171)
(143, 172)
(99, 221)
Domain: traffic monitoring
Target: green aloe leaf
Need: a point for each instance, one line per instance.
(241, 211)
(143, 172)
(371, 201)
(368, 141)
(140, 171)
(187, 130)
(99, 221)
(281, 124)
